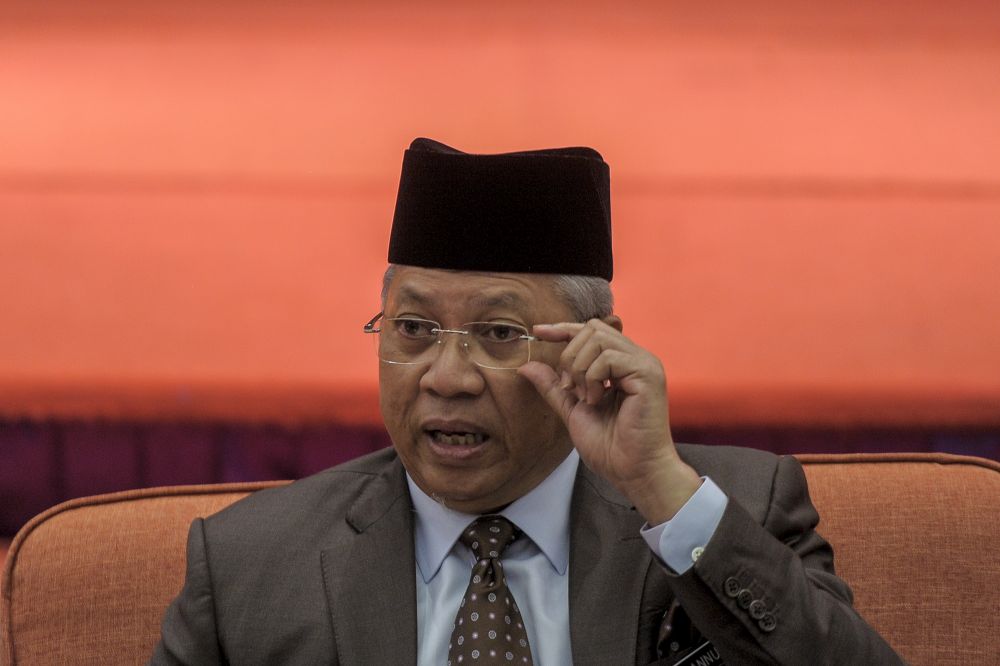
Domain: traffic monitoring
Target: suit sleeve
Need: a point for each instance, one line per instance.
(768, 594)
(188, 633)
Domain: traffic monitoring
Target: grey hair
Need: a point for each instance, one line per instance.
(588, 297)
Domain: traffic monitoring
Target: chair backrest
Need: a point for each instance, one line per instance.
(87, 581)
(917, 538)
(915, 535)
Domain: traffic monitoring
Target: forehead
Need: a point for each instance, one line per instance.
(452, 290)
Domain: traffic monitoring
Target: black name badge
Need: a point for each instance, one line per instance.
(704, 655)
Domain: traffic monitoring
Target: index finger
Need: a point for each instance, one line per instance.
(561, 332)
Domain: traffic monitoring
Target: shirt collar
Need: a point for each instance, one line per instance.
(542, 514)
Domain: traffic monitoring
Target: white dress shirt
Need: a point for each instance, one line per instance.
(536, 567)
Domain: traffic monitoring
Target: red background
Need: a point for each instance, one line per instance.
(195, 202)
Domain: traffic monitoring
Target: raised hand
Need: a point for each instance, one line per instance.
(611, 394)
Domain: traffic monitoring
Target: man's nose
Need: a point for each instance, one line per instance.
(451, 371)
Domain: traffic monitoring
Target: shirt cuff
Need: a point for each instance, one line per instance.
(680, 541)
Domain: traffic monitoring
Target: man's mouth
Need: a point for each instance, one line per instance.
(457, 438)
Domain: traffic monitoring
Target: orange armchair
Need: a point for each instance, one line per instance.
(915, 535)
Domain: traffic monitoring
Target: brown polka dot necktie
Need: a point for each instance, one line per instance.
(488, 628)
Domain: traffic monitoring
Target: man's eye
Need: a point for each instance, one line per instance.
(414, 328)
(501, 333)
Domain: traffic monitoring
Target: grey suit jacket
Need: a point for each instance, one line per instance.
(322, 572)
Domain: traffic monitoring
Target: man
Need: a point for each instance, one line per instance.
(533, 508)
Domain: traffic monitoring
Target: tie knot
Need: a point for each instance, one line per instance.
(488, 536)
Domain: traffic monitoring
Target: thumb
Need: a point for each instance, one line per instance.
(546, 382)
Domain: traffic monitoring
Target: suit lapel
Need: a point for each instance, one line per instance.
(607, 569)
(369, 576)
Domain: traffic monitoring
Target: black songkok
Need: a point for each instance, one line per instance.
(539, 211)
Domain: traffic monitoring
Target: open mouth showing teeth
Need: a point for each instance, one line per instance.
(457, 438)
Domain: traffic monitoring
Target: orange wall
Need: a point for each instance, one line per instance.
(194, 202)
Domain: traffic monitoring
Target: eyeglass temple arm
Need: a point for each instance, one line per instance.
(370, 326)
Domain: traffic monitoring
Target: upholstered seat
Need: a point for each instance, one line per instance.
(915, 535)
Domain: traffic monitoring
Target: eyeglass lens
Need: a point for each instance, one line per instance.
(489, 344)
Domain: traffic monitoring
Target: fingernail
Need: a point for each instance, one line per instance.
(567, 381)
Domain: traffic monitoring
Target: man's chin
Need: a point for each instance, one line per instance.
(466, 499)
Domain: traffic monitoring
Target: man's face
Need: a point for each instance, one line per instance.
(426, 405)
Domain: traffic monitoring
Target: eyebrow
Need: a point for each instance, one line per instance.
(410, 294)
(505, 298)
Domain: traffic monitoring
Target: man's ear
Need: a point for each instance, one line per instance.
(614, 321)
